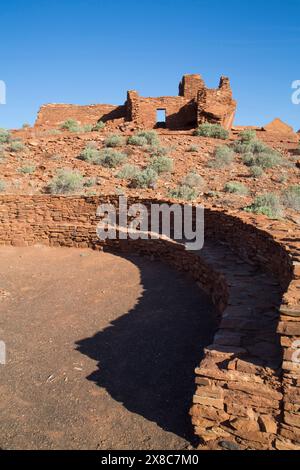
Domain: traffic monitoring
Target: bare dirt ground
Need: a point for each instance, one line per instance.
(101, 350)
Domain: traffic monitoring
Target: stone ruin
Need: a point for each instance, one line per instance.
(195, 104)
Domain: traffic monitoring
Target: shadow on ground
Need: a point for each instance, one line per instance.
(146, 358)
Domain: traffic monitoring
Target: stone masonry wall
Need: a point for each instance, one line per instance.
(180, 112)
(53, 115)
(270, 417)
(194, 105)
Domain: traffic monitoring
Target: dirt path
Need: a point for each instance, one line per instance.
(101, 350)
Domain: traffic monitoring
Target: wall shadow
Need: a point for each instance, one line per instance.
(146, 358)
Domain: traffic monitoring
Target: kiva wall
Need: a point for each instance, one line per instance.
(275, 246)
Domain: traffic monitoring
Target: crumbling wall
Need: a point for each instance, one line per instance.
(190, 86)
(53, 115)
(195, 104)
(217, 105)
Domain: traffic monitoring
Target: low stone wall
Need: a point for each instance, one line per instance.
(269, 418)
(53, 115)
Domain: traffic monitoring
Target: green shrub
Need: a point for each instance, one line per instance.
(223, 157)
(235, 187)
(70, 125)
(90, 153)
(26, 125)
(110, 158)
(66, 181)
(268, 160)
(158, 151)
(4, 136)
(145, 179)
(2, 186)
(89, 182)
(98, 127)
(193, 180)
(150, 136)
(162, 165)
(256, 171)
(16, 145)
(136, 140)
(86, 128)
(184, 192)
(27, 169)
(128, 172)
(256, 153)
(267, 204)
(211, 130)
(291, 197)
(248, 135)
(114, 141)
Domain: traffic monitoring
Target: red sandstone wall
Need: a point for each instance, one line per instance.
(52, 115)
(274, 245)
(217, 106)
(180, 112)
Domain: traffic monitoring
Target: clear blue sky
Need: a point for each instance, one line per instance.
(92, 51)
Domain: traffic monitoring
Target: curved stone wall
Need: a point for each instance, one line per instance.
(269, 418)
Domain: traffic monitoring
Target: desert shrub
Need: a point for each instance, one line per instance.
(282, 179)
(150, 136)
(2, 186)
(184, 192)
(223, 157)
(267, 204)
(291, 197)
(70, 125)
(66, 181)
(16, 145)
(128, 172)
(158, 151)
(144, 179)
(26, 125)
(192, 148)
(110, 158)
(114, 140)
(248, 135)
(256, 171)
(86, 128)
(89, 182)
(248, 159)
(90, 153)
(137, 140)
(268, 159)
(4, 136)
(98, 127)
(27, 169)
(162, 164)
(211, 130)
(235, 187)
(256, 153)
(193, 180)
(251, 146)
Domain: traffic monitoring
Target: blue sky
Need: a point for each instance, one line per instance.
(89, 51)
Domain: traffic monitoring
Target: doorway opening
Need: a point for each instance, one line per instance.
(161, 117)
